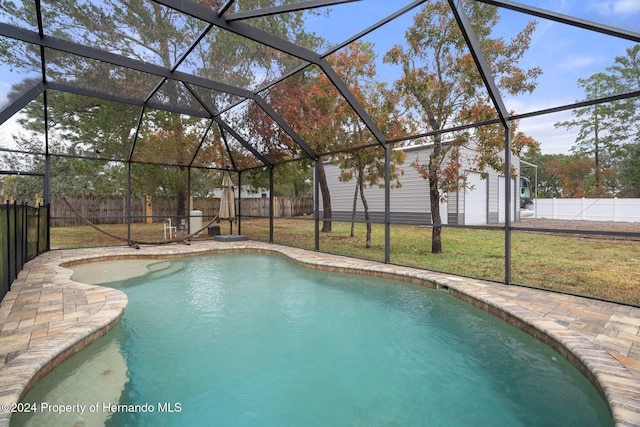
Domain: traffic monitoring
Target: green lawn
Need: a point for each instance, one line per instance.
(596, 267)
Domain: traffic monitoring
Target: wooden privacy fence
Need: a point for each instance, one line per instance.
(113, 209)
(282, 206)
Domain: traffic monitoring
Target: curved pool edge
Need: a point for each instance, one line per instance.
(45, 319)
(580, 329)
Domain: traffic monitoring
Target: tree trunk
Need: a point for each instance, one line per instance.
(353, 211)
(434, 182)
(434, 198)
(366, 210)
(326, 199)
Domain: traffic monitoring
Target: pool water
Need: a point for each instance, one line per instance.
(253, 340)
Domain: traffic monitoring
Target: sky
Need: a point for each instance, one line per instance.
(565, 54)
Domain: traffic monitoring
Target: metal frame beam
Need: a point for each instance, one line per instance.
(195, 153)
(509, 202)
(135, 136)
(21, 102)
(230, 22)
(20, 173)
(294, 7)
(241, 29)
(242, 141)
(62, 87)
(284, 126)
(316, 204)
(346, 42)
(565, 19)
(353, 102)
(66, 46)
(581, 104)
(487, 77)
(226, 145)
(374, 27)
(225, 7)
(480, 61)
(271, 204)
(281, 45)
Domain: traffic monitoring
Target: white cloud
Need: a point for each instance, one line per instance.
(552, 140)
(5, 88)
(602, 8)
(573, 62)
(626, 6)
(8, 130)
(615, 7)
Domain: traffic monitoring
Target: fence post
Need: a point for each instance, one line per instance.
(582, 208)
(615, 209)
(553, 208)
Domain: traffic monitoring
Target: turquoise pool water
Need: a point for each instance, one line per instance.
(253, 340)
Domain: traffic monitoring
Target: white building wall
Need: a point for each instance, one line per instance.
(410, 203)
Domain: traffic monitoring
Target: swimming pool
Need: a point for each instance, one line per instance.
(254, 340)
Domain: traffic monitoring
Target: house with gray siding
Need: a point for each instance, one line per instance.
(480, 204)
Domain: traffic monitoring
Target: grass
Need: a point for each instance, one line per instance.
(587, 266)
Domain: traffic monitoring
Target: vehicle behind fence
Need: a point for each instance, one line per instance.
(24, 234)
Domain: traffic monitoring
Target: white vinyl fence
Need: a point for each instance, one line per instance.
(624, 210)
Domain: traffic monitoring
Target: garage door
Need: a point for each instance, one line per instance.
(475, 200)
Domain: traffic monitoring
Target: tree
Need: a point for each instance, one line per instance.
(607, 132)
(626, 71)
(356, 66)
(441, 84)
(68, 175)
(597, 129)
(573, 175)
(311, 104)
(290, 179)
(366, 166)
(630, 171)
(152, 33)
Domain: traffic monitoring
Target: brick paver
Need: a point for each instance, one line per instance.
(47, 317)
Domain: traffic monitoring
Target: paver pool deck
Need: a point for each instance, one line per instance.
(47, 317)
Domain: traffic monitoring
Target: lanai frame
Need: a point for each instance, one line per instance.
(232, 22)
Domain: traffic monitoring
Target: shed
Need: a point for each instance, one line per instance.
(480, 204)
